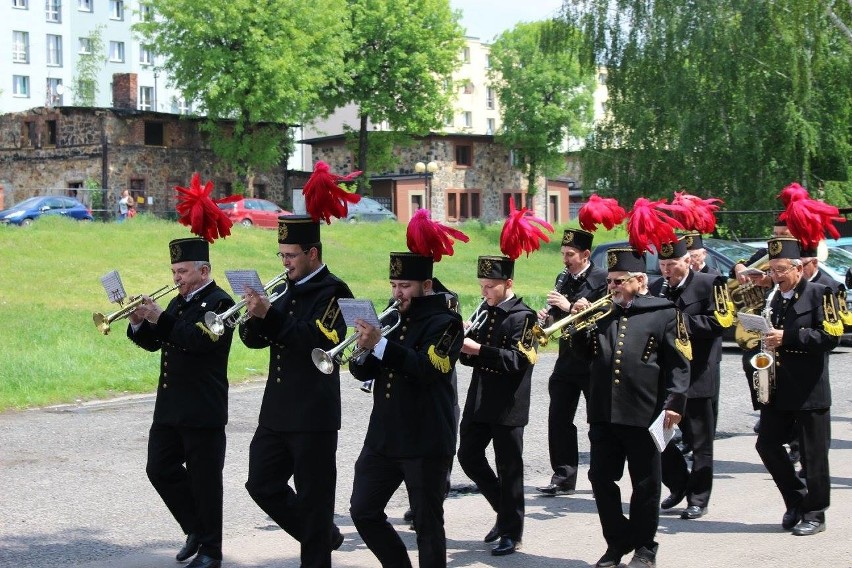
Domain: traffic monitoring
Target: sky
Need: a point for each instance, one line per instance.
(487, 18)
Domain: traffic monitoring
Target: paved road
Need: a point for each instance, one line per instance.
(75, 492)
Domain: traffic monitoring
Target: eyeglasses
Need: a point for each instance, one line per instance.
(780, 271)
(619, 281)
(290, 255)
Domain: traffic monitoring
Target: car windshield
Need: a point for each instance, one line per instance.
(730, 249)
(27, 203)
(838, 260)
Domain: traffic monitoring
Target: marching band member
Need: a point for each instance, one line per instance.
(296, 436)
(579, 283)
(698, 254)
(692, 293)
(639, 368)
(502, 353)
(411, 437)
(186, 444)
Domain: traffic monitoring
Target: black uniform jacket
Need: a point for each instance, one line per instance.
(592, 286)
(707, 270)
(298, 396)
(695, 300)
(193, 384)
(499, 391)
(413, 394)
(636, 368)
(801, 363)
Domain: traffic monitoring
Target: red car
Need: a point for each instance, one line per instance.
(251, 211)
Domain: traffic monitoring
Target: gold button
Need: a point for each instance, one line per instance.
(278, 356)
(388, 385)
(165, 385)
(623, 327)
(618, 352)
(404, 328)
(165, 363)
(617, 381)
(165, 374)
(401, 337)
(278, 380)
(293, 301)
(623, 319)
(291, 312)
(387, 395)
(618, 361)
(620, 335)
(390, 375)
(617, 372)
(620, 343)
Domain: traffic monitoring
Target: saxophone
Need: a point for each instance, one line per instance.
(763, 378)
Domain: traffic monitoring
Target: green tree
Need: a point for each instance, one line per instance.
(402, 54)
(731, 98)
(89, 65)
(545, 96)
(258, 65)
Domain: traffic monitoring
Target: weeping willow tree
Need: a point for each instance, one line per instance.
(730, 98)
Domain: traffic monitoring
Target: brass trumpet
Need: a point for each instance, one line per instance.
(325, 360)
(231, 318)
(477, 318)
(103, 322)
(581, 320)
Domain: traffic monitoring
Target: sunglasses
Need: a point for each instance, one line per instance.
(619, 281)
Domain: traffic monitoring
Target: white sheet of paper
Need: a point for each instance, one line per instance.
(353, 308)
(754, 322)
(239, 279)
(662, 436)
(113, 286)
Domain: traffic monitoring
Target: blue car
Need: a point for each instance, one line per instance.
(31, 209)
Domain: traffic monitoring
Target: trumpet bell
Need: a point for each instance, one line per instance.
(101, 322)
(322, 361)
(214, 323)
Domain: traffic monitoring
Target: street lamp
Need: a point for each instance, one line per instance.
(427, 170)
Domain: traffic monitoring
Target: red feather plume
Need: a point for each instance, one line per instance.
(325, 199)
(600, 211)
(520, 233)
(650, 224)
(431, 238)
(808, 219)
(699, 214)
(201, 213)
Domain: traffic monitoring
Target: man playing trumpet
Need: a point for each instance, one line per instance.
(580, 283)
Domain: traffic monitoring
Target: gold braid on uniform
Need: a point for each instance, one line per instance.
(843, 311)
(207, 332)
(682, 340)
(326, 323)
(526, 344)
(831, 324)
(439, 355)
(724, 311)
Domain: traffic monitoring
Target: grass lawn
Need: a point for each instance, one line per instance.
(50, 286)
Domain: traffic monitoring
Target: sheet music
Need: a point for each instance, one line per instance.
(353, 309)
(662, 436)
(754, 322)
(239, 279)
(113, 286)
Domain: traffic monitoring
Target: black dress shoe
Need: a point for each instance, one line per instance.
(610, 559)
(505, 546)
(492, 535)
(202, 561)
(189, 548)
(556, 489)
(672, 500)
(693, 512)
(336, 538)
(790, 519)
(807, 528)
(408, 516)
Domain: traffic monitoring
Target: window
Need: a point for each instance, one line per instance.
(448, 120)
(465, 55)
(54, 50)
(184, 107)
(464, 155)
(146, 55)
(53, 91)
(20, 47)
(520, 201)
(116, 51)
(490, 128)
(154, 133)
(463, 204)
(50, 132)
(85, 46)
(20, 4)
(489, 98)
(468, 119)
(84, 5)
(116, 9)
(20, 86)
(602, 78)
(468, 88)
(146, 98)
(146, 13)
(488, 61)
(53, 10)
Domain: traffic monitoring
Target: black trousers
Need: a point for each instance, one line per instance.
(611, 446)
(698, 427)
(561, 430)
(377, 477)
(810, 496)
(192, 492)
(307, 513)
(504, 489)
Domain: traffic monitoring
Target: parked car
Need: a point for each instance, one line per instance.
(368, 209)
(836, 265)
(844, 243)
(31, 209)
(252, 211)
